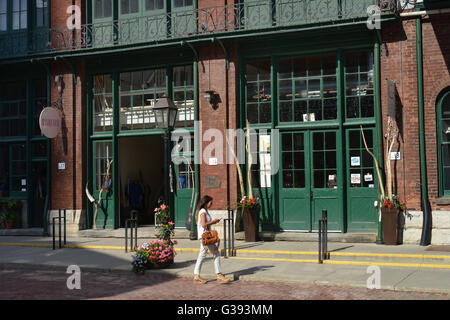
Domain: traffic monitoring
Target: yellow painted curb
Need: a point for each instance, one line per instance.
(360, 263)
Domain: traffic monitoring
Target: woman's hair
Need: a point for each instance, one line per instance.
(201, 205)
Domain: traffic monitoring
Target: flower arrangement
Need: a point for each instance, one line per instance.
(248, 202)
(158, 253)
(394, 204)
(151, 255)
(164, 225)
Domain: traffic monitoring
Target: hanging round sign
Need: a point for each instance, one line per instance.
(50, 122)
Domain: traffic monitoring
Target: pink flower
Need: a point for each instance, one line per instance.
(171, 223)
(163, 207)
(156, 210)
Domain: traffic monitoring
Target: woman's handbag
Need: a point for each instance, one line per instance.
(210, 237)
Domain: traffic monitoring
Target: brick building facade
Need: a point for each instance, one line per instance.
(306, 78)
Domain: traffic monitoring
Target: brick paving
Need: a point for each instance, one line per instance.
(26, 283)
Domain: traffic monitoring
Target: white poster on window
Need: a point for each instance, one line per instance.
(264, 143)
(355, 161)
(355, 178)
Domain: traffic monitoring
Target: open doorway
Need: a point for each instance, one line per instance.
(141, 172)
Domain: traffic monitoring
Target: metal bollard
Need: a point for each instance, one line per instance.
(320, 242)
(132, 224)
(54, 233)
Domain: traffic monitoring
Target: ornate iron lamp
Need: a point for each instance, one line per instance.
(165, 116)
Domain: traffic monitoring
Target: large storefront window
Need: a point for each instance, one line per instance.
(259, 94)
(4, 171)
(18, 168)
(359, 88)
(139, 92)
(13, 109)
(307, 89)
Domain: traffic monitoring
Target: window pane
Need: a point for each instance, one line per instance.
(107, 9)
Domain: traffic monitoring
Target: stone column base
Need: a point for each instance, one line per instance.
(440, 233)
(75, 221)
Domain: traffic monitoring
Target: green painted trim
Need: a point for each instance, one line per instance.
(89, 153)
(420, 97)
(28, 146)
(115, 148)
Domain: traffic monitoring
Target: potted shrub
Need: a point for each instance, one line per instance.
(390, 205)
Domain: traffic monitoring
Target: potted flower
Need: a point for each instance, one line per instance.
(159, 253)
(250, 207)
(154, 255)
(390, 210)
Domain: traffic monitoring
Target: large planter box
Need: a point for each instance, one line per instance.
(389, 220)
(251, 223)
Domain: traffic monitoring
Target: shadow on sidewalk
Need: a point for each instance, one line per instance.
(250, 271)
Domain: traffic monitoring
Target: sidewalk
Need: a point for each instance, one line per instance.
(404, 267)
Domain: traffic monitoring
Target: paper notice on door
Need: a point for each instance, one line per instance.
(355, 178)
(355, 161)
(368, 177)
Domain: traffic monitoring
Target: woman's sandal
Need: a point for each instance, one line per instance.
(222, 280)
(199, 281)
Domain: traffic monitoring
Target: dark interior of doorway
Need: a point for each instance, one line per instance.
(141, 169)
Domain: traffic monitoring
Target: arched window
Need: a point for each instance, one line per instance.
(443, 126)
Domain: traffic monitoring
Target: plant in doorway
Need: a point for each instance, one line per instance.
(10, 212)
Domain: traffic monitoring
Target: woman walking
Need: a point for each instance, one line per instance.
(204, 221)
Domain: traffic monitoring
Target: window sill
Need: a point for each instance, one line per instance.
(443, 200)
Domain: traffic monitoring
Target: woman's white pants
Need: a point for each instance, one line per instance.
(202, 255)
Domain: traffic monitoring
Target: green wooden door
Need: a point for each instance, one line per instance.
(309, 171)
(184, 188)
(103, 151)
(325, 172)
(294, 182)
(362, 181)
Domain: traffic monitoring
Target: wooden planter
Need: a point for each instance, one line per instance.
(251, 223)
(389, 220)
(9, 224)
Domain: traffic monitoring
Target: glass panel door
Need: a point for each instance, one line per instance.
(325, 174)
(102, 182)
(295, 206)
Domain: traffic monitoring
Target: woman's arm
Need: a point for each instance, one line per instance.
(207, 224)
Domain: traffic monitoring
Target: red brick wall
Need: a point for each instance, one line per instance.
(67, 185)
(213, 76)
(399, 63)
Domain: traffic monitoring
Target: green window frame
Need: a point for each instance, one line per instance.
(307, 89)
(103, 105)
(13, 109)
(182, 3)
(18, 169)
(183, 95)
(360, 161)
(3, 15)
(139, 91)
(102, 10)
(443, 137)
(102, 155)
(19, 15)
(359, 85)
(39, 102)
(41, 13)
(293, 160)
(154, 5)
(258, 92)
(129, 7)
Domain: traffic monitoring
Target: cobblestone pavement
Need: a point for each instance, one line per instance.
(23, 283)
